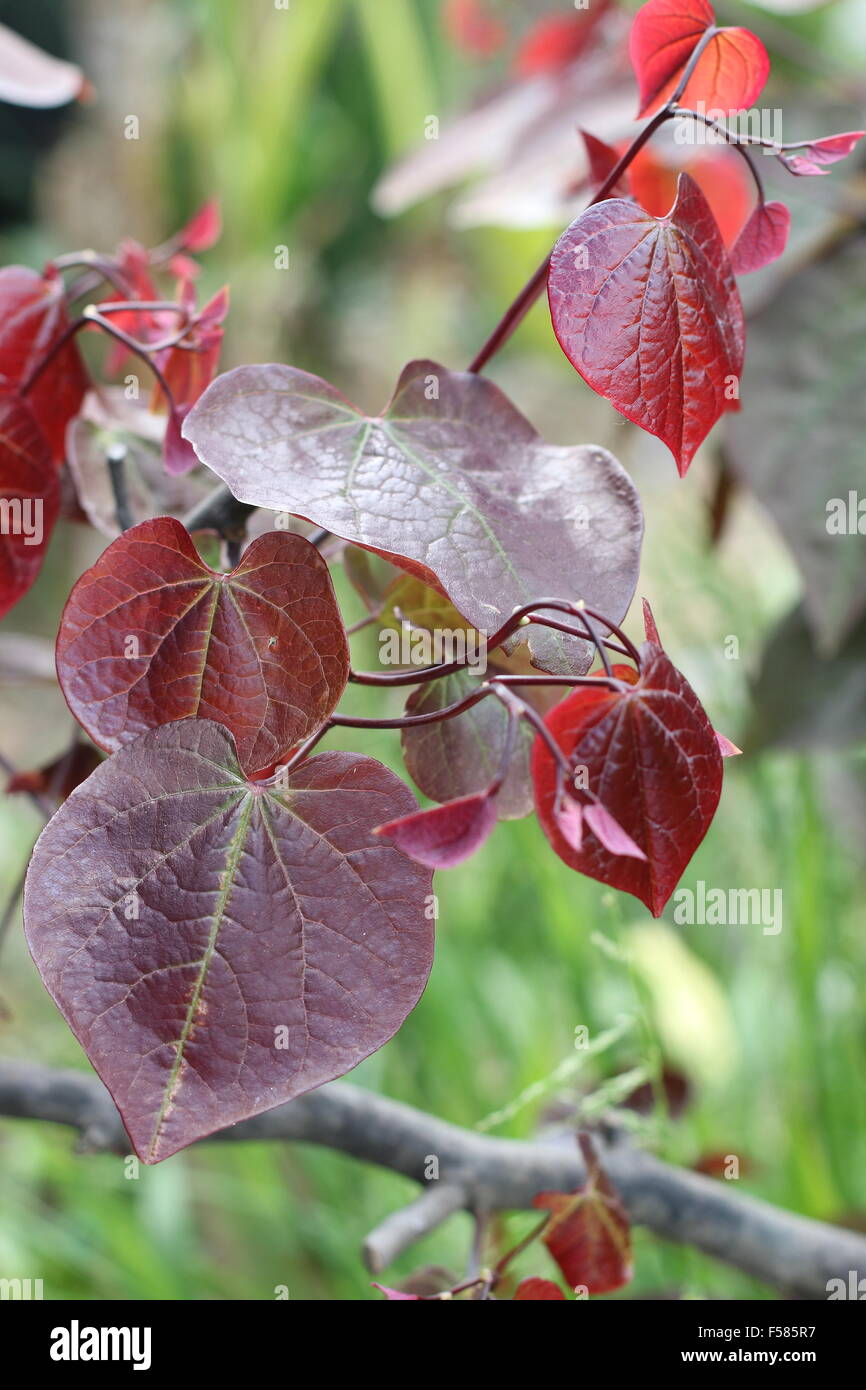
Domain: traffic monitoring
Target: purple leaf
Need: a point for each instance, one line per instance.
(219, 946)
(451, 483)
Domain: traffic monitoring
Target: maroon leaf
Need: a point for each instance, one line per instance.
(730, 73)
(220, 946)
(762, 239)
(443, 836)
(647, 310)
(151, 634)
(589, 1234)
(652, 761)
(536, 1290)
(33, 319)
(29, 499)
(473, 498)
(31, 77)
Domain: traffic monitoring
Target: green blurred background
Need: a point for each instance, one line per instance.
(289, 117)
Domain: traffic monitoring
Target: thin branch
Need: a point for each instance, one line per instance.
(789, 1252)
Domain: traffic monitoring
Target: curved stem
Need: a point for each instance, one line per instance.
(518, 309)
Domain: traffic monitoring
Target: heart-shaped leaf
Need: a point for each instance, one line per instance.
(151, 634)
(763, 238)
(29, 499)
(451, 483)
(647, 310)
(730, 73)
(33, 319)
(651, 759)
(589, 1234)
(219, 946)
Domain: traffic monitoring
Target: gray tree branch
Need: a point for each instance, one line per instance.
(789, 1252)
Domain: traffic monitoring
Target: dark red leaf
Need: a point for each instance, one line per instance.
(190, 368)
(730, 73)
(653, 762)
(589, 1234)
(443, 836)
(219, 946)
(763, 239)
(33, 318)
(475, 501)
(31, 77)
(814, 156)
(29, 499)
(647, 310)
(151, 634)
(534, 1290)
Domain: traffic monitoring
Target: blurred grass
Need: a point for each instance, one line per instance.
(289, 116)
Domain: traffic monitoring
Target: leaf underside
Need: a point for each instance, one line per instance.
(451, 483)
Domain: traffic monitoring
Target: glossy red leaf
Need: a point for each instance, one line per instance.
(534, 1290)
(652, 760)
(730, 73)
(443, 836)
(451, 483)
(219, 946)
(589, 1234)
(763, 239)
(29, 499)
(33, 319)
(151, 634)
(31, 77)
(647, 310)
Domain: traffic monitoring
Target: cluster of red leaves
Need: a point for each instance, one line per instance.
(43, 378)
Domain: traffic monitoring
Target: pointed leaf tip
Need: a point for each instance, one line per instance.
(442, 836)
